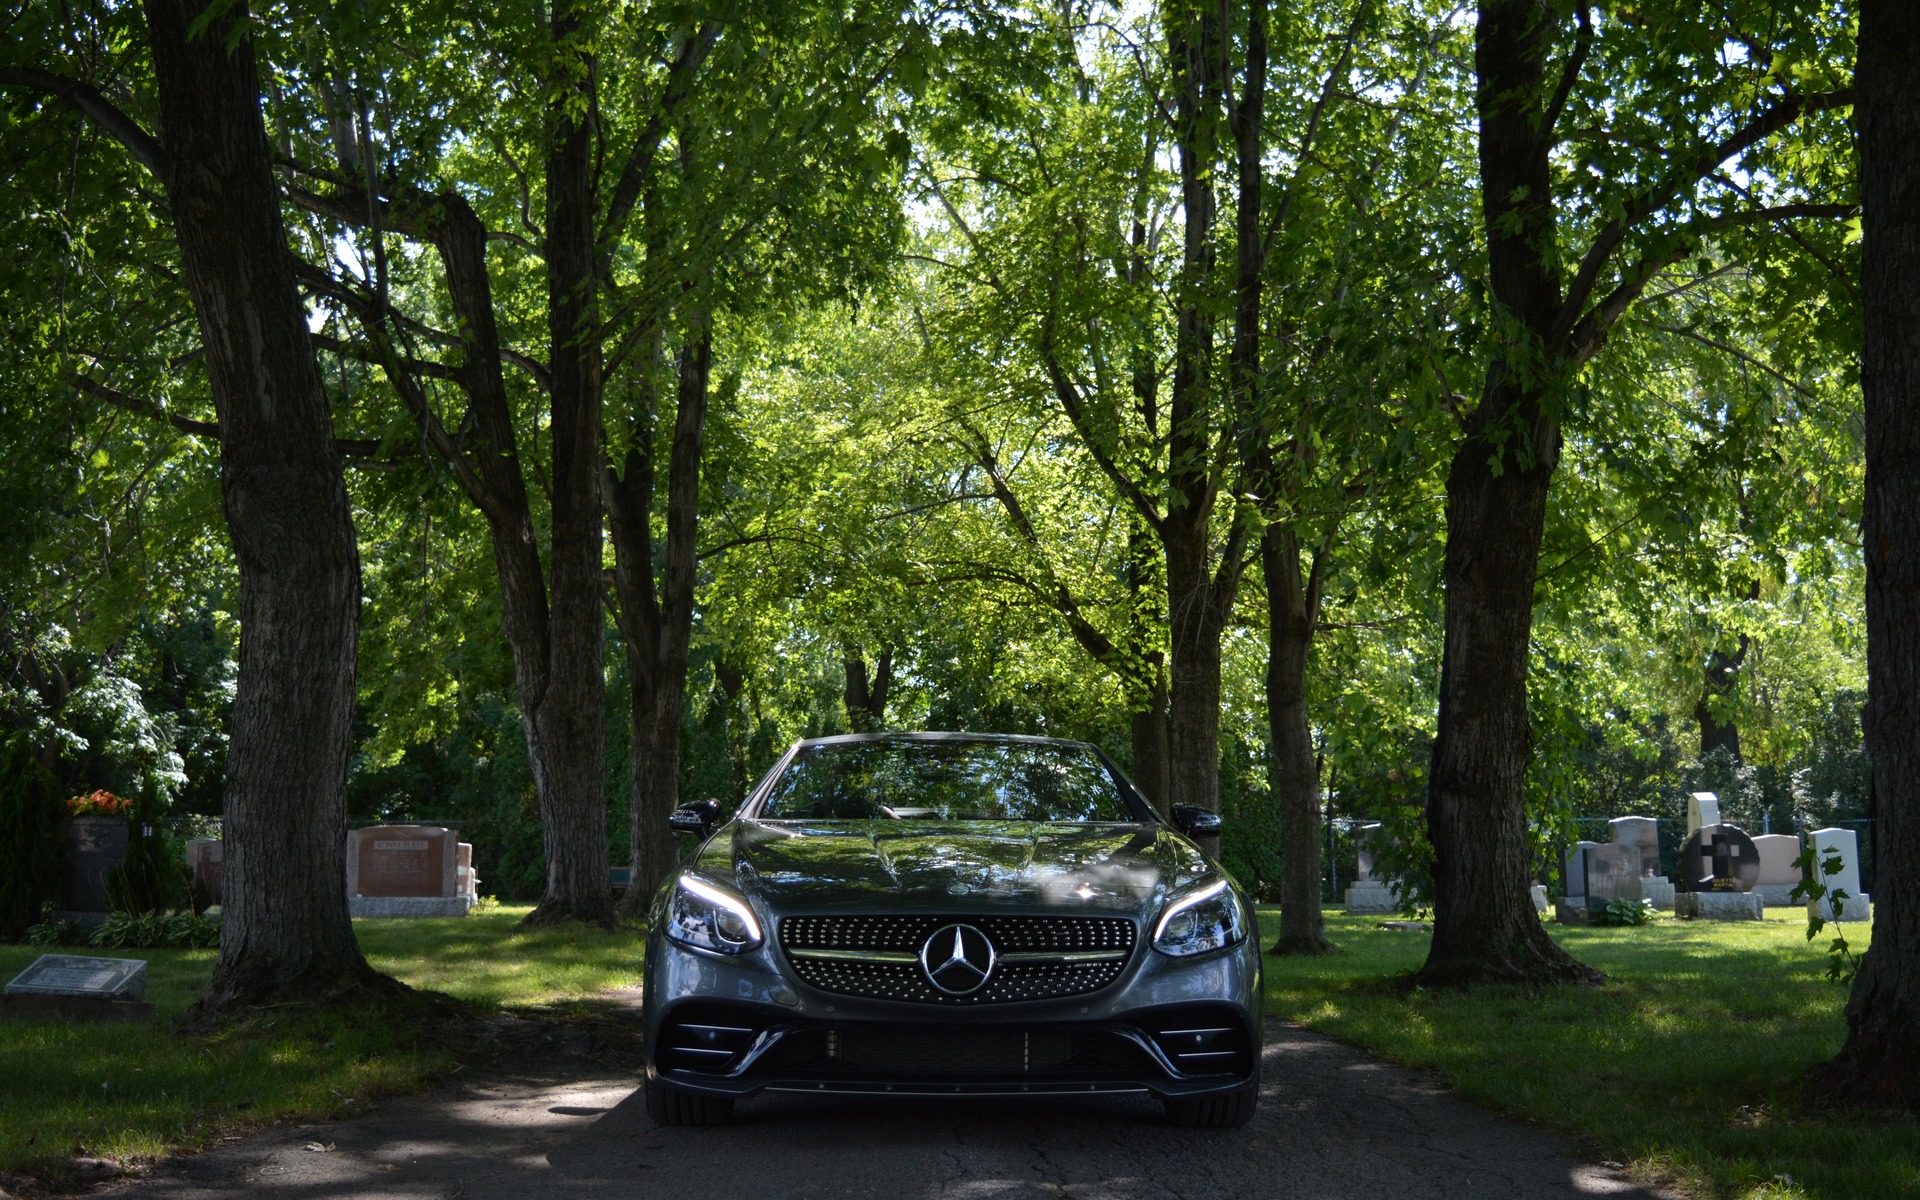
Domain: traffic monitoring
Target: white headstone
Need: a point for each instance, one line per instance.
(1703, 809)
(1845, 845)
(72, 975)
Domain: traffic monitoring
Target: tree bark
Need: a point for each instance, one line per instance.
(571, 723)
(285, 934)
(1485, 927)
(1880, 1062)
(865, 696)
(1293, 606)
(657, 621)
(1719, 680)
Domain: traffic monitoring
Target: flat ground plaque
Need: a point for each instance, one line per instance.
(88, 978)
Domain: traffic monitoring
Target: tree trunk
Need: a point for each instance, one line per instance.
(657, 623)
(285, 933)
(1152, 753)
(1292, 609)
(1720, 678)
(1880, 1062)
(570, 724)
(865, 696)
(1485, 929)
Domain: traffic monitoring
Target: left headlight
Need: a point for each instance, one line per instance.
(1207, 918)
(707, 918)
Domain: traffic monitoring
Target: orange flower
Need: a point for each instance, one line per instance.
(99, 803)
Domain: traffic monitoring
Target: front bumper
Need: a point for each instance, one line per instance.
(736, 1026)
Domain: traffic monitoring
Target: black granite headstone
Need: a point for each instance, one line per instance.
(89, 978)
(1719, 858)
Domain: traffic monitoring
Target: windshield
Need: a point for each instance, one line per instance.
(947, 781)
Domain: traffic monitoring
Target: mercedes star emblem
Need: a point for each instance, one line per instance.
(958, 959)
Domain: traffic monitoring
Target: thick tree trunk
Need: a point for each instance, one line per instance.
(1292, 608)
(657, 622)
(1485, 927)
(570, 724)
(285, 934)
(1880, 1062)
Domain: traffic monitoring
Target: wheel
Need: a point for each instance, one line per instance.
(1228, 1110)
(671, 1106)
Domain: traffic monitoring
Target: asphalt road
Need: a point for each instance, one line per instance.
(1333, 1123)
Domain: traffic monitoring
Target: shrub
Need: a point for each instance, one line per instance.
(175, 930)
(32, 837)
(1625, 912)
(56, 933)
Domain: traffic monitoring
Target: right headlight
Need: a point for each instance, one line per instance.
(709, 918)
(1207, 918)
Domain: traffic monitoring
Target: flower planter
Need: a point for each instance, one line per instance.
(95, 846)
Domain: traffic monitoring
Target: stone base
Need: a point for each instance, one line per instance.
(1853, 908)
(1370, 896)
(73, 1008)
(408, 906)
(1573, 912)
(1659, 889)
(1779, 895)
(1719, 906)
(1539, 893)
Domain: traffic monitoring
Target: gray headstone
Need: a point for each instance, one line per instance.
(1777, 852)
(1642, 832)
(1613, 873)
(95, 846)
(71, 975)
(1366, 845)
(1575, 873)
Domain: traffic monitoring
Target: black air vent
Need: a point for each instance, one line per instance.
(1203, 1041)
(710, 1039)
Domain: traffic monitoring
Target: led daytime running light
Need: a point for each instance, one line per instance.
(719, 899)
(1175, 909)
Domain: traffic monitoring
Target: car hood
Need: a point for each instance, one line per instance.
(943, 865)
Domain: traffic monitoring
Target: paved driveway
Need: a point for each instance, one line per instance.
(1333, 1124)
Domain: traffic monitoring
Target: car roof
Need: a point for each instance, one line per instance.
(1022, 739)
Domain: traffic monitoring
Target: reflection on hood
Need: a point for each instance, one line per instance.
(795, 865)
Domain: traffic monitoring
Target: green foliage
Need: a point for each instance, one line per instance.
(153, 876)
(32, 836)
(157, 930)
(56, 933)
(1842, 963)
(1625, 912)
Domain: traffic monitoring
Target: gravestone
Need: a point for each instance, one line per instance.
(469, 882)
(95, 846)
(1369, 894)
(1844, 845)
(1575, 873)
(203, 865)
(1613, 873)
(405, 871)
(1538, 894)
(1703, 809)
(1719, 858)
(67, 985)
(1778, 875)
(1643, 833)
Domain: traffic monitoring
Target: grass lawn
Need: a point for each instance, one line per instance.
(1683, 1065)
(139, 1090)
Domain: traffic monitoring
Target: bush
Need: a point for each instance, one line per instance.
(55, 933)
(153, 876)
(1625, 912)
(176, 930)
(32, 837)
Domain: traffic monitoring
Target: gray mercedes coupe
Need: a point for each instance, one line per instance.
(943, 914)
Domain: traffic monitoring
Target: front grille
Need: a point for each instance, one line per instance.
(954, 1052)
(1040, 958)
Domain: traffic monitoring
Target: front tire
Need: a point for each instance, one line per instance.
(1228, 1110)
(671, 1106)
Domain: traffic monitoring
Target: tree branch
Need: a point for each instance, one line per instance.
(90, 103)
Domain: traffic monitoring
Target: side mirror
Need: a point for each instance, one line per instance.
(697, 818)
(1195, 822)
